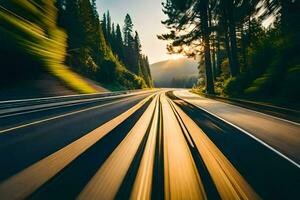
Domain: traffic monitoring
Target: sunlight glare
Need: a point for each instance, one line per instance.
(176, 56)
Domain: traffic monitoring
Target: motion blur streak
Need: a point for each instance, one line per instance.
(229, 182)
(268, 130)
(36, 175)
(158, 147)
(106, 182)
(29, 27)
(142, 187)
(182, 181)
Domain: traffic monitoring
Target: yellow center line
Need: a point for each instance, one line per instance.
(27, 181)
(108, 179)
(229, 183)
(142, 187)
(182, 180)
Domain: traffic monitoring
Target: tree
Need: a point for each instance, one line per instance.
(104, 26)
(130, 53)
(119, 43)
(127, 30)
(109, 27)
(113, 39)
(137, 54)
(181, 15)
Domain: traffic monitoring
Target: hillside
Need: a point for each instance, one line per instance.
(164, 73)
(67, 42)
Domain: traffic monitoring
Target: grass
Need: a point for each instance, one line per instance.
(71, 79)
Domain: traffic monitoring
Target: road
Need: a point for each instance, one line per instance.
(157, 144)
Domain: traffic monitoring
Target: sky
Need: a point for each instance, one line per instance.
(146, 16)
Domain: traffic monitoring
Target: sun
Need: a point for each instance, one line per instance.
(176, 56)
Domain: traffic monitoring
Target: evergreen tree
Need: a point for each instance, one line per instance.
(119, 43)
(71, 23)
(130, 58)
(127, 30)
(108, 27)
(180, 20)
(113, 39)
(104, 26)
(137, 54)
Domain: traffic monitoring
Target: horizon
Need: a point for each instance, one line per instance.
(84, 115)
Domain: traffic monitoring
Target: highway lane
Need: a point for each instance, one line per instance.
(271, 175)
(24, 145)
(281, 135)
(146, 146)
(36, 109)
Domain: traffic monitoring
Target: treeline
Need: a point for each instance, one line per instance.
(96, 49)
(184, 81)
(241, 57)
(129, 50)
(60, 37)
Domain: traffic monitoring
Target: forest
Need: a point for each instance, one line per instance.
(68, 39)
(246, 48)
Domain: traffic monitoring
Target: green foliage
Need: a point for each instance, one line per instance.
(130, 80)
(185, 81)
(32, 43)
(95, 48)
(250, 60)
(128, 53)
(273, 70)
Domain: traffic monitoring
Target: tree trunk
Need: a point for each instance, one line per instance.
(235, 69)
(244, 49)
(207, 57)
(214, 59)
(228, 50)
(227, 45)
(213, 52)
(219, 71)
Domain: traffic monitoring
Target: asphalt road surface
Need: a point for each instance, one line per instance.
(157, 144)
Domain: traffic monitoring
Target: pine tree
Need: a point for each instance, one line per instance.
(137, 54)
(179, 18)
(108, 27)
(113, 39)
(119, 43)
(104, 26)
(127, 30)
(130, 61)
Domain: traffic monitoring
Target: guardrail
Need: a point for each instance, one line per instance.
(36, 101)
(21, 106)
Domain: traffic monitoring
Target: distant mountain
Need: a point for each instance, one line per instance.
(164, 73)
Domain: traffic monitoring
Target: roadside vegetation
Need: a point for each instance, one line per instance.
(246, 49)
(66, 39)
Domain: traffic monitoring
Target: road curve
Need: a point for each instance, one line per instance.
(149, 145)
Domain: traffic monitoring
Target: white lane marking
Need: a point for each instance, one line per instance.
(285, 120)
(67, 96)
(248, 109)
(59, 116)
(228, 181)
(249, 134)
(61, 105)
(43, 109)
(25, 108)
